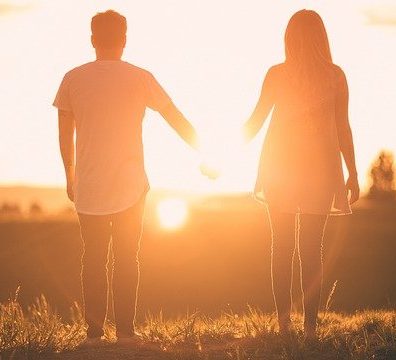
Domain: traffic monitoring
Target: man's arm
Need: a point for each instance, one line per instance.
(180, 124)
(66, 143)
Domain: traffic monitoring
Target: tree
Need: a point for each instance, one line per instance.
(383, 177)
(10, 209)
(35, 209)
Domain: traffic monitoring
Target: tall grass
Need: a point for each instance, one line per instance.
(39, 329)
(249, 335)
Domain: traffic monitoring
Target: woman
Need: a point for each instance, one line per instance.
(300, 172)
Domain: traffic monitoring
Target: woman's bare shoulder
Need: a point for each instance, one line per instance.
(274, 72)
(275, 69)
(339, 75)
(338, 70)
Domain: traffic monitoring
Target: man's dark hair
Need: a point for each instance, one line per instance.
(109, 29)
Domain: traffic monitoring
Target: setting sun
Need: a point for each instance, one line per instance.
(172, 213)
(216, 94)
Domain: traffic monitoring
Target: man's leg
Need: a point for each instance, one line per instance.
(95, 233)
(127, 229)
(282, 250)
(310, 251)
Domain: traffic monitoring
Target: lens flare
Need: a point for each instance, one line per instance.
(172, 213)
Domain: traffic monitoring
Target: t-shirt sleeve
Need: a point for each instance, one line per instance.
(156, 97)
(62, 98)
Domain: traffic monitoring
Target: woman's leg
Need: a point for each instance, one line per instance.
(311, 230)
(282, 249)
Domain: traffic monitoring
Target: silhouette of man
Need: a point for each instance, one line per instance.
(104, 102)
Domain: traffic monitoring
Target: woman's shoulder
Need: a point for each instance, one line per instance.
(275, 69)
(337, 70)
(339, 76)
(274, 72)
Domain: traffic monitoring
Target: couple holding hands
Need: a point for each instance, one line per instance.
(300, 176)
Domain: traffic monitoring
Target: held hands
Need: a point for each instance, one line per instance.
(352, 186)
(209, 171)
(220, 151)
(209, 166)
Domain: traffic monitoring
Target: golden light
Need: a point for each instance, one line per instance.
(172, 213)
(220, 153)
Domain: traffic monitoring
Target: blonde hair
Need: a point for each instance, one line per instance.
(306, 39)
(308, 56)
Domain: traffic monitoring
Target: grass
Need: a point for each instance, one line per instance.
(39, 332)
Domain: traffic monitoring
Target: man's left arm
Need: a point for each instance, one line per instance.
(158, 100)
(180, 124)
(66, 144)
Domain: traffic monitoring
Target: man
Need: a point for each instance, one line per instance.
(104, 102)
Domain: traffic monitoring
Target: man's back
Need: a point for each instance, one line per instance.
(104, 103)
(108, 99)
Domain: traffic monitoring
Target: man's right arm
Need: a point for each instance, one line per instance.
(66, 144)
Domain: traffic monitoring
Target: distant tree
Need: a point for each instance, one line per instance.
(10, 209)
(383, 177)
(35, 209)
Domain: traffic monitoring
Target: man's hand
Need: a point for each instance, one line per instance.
(70, 173)
(66, 143)
(352, 186)
(70, 190)
(209, 171)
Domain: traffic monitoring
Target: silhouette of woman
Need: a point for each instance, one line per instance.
(300, 174)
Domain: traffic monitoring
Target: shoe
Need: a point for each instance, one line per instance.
(93, 342)
(129, 340)
(310, 333)
(285, 328)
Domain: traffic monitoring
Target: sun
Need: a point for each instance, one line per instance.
(172, 213)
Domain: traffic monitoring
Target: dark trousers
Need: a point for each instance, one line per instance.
(303, 233)
(123, 231)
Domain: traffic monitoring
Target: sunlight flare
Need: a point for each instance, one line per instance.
(172, 213)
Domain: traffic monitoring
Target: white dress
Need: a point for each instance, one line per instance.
(300, 169)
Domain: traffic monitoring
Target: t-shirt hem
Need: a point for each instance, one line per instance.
(111, 212)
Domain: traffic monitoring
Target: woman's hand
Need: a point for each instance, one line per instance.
(352, 186)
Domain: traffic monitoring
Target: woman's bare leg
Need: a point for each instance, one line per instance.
(311, 230)
(282, 250)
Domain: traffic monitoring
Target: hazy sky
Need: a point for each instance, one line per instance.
(211, 57)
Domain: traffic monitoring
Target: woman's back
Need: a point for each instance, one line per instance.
(304, 109)
(301, 153)
(300, 166)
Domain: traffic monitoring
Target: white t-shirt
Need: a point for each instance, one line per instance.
(108, 100)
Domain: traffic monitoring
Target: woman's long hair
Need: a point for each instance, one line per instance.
(307, 51)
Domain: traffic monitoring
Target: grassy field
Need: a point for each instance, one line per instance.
(217, 262)
(219, 258)
(39, 333)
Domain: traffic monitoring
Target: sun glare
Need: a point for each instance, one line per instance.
(172, 213)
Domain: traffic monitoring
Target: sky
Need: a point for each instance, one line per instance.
(210, 56)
